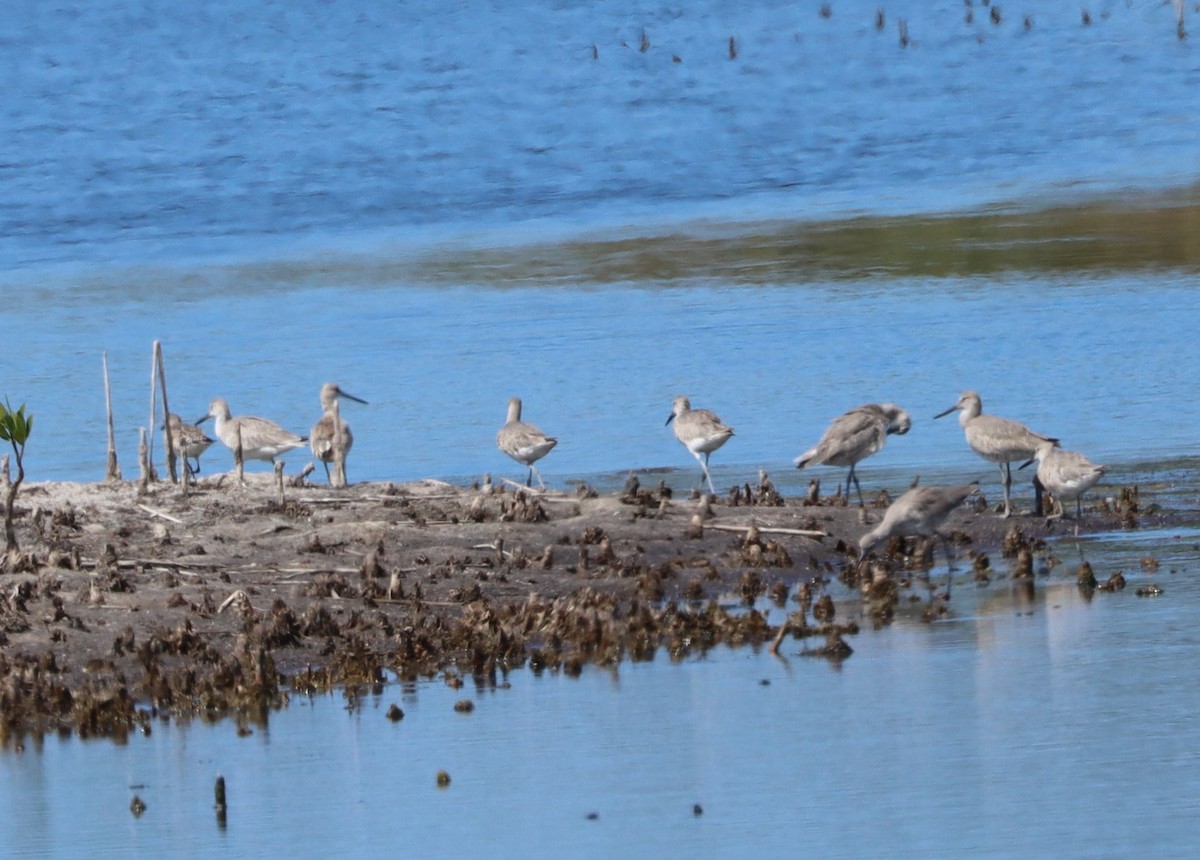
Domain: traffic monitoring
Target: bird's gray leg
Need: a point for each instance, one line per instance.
(853, 477)
(1038, 489)
(1006, 480)
(707, 476)
(529, 480)
(325, 463)
(534, 470)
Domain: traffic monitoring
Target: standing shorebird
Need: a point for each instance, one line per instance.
(854, 436)
(700, 431)
(523, 442)
(1065, 475)
(189, 442)
(921, 511)
(999, 440)
(260, 439)
(324, 436)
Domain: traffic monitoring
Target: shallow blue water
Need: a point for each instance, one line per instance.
(1015, 727)
(244, 182)
(138, 133)
(1091, 362)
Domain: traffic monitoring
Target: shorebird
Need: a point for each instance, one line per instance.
(523, 442)
(999, 440)
(260, 439)
(323, 438)
(1065, 474)
(921, 511)
(189, 441)
(700, 431)
(854, 436)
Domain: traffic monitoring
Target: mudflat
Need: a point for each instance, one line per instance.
(128, 603)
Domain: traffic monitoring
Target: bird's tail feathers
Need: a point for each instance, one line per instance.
(805, 458)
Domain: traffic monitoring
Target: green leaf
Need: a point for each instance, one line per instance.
(15, 426)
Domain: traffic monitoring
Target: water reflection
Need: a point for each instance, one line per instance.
(1001, 728)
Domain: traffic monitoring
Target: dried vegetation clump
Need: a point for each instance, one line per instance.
(128, 608)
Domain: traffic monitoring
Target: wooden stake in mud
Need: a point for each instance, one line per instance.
(113, 471)
(339, 448)
(162, 384)
(143, 462)
(239, 459)
(220, 805)
(10, 534)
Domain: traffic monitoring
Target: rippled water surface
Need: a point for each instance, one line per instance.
(138, 132)
(1024, 724)
(440, 205)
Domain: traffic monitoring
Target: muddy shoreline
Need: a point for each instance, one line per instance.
(126, 605)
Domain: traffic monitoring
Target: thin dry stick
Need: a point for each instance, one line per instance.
(297, 480)
(158, 513)
(148, 454)
(542, 495)
(176, 566)
(414, 601)
(524, 488)
(113, 471)
(359, 500)
(783, 631)
(238, 596)
(767, 530)
(162, 383)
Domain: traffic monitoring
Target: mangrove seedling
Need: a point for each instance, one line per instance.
(15, 427)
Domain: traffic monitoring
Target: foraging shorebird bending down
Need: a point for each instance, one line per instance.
(260, 439)
(700, 431)
(854, 436)
(1065, 475)
(324, 436)
(921, 511)
(999, 440)
(523, 442)
(189, 442)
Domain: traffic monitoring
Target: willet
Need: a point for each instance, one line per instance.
(999, 440)
(854, 436)
(700, 431)
(1065, 474)
(921, 511)
(189, 441)
(523, 442)
(323, 438)
(260, 439)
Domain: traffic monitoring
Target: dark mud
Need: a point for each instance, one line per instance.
(123, 608)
